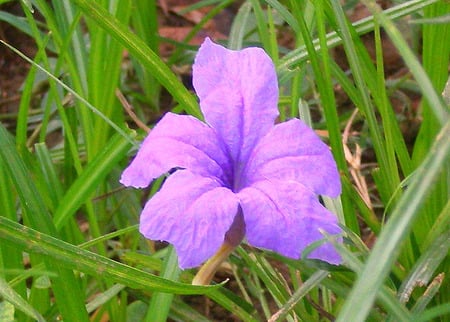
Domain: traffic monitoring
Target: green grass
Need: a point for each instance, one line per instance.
(69, 244)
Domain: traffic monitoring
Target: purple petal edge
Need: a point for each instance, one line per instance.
(178, 141)
(191, 212)
(286, 217)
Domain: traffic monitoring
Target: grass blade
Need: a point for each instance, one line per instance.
(436, 102)
(8, 293)
(387, 246)
(142, 52)
(65, 286)
(73, 257)
(88, 180)
(160, 303)
(239, 27)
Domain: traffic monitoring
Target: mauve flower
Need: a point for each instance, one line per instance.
(236, 173)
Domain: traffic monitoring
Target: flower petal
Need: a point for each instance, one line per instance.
(238, 93)
(191, 212)
(292, 151)
(178, 141)
(286, 217)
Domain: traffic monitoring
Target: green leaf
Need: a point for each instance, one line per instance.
(76, 258)
(239, 26)
(8, 293)
(436, 103)
(90, 178)
(65, 286)
(6, 311)
(387, 247)
(425, 266)
(160, 303)
(104, 297)
(362, 26)
(301, 292)
(140, 50)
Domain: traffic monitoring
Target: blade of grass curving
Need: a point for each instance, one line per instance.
(387, 247)
(272, 50)
(85, 184)
(91, 107)
(364, 75)
(63, 22)
(339, 282)
(10, 295)
(429, 294)
(67, 18)
(176, 55)
(55, 97)
(367, 214)
(160, 303)
(50, 185)
(142, 52)
(24, 105)
(66, 287)
(105, 59)
(48, 170)
(435, 59)
(21, 24)
(273, 281)
(386, 296)
(239, 26)
(433, 313)
(10, 257)
(441, 223)
(144, 18)
(322, 72)
(300, 293)
(74, 54)
(425, 266)
(285, 14)
(395, 144)
(436, 103)
(362, 26)
(104, 297)
(233, 303)
(261, 23)
(73, 257)
(257, 265)
(182, 311)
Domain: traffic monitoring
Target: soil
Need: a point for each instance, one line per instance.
(13, 68)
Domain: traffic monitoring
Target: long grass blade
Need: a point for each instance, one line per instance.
(72, 257)
(387, 247)
(142, 52)
(8, 293)
(65, 286)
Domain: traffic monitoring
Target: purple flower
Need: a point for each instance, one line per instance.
(238, 173)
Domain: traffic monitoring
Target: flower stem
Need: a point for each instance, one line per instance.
(207, 271)
(232, 239)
